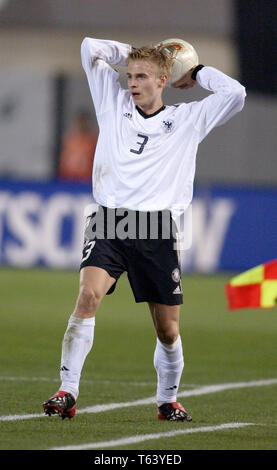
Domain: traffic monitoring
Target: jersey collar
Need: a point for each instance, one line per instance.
(146, 116)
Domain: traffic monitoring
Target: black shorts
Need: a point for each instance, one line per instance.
(149, 257)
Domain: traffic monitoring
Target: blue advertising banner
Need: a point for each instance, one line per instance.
(233, 229)
(42, 224)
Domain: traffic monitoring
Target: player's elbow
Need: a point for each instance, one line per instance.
(84, 47)
(84, 44)
(238, 97)
(87, 53)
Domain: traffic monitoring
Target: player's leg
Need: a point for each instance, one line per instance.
(78, 339)
(94, 284)
(166, 321)
(168, 361)
(79, 335)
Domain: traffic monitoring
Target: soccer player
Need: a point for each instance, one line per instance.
(144, 165)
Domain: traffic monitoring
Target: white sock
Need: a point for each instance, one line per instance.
(77, 343)
(169, 364)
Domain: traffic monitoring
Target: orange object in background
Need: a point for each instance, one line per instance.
(77, 152)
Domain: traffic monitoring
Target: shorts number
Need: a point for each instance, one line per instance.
(141, 144)
(87, 250)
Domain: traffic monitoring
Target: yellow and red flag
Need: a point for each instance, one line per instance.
(255, 288)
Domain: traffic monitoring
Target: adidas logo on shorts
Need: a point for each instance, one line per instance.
(178, 290)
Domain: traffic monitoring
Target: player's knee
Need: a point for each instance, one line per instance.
(88, 300)
(168, 335)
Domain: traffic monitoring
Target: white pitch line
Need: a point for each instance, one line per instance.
(146, 437)
(204, 390)
(102, 382)
(228, 386)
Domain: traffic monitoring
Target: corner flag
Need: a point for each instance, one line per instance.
(254, 288)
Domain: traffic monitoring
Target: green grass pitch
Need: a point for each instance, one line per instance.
(219, 347)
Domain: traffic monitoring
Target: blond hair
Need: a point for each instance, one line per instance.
(154, 55)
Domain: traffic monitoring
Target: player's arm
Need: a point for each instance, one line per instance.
(227, 98)
(98, 56)
(188, 80)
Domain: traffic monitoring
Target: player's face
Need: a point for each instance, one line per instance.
(146, 84)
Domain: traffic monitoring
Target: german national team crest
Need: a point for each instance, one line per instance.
(168, 125)
(128, 115)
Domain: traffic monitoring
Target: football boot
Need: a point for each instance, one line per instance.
(173, 412)
(61, 403)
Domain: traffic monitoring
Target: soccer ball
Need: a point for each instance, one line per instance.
(184, 57)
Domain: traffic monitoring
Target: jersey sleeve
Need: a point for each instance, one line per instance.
(98, 56)
(227, 99)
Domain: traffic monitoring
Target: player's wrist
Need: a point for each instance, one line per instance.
(196, 70)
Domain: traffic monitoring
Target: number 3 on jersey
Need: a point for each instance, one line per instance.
(141, 144)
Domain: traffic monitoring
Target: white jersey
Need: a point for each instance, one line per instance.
(145, 162)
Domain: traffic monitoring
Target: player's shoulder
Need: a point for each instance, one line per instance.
(178, 108)
(173, 106)
(186, 107)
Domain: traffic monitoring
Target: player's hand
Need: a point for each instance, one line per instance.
(185, 82)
